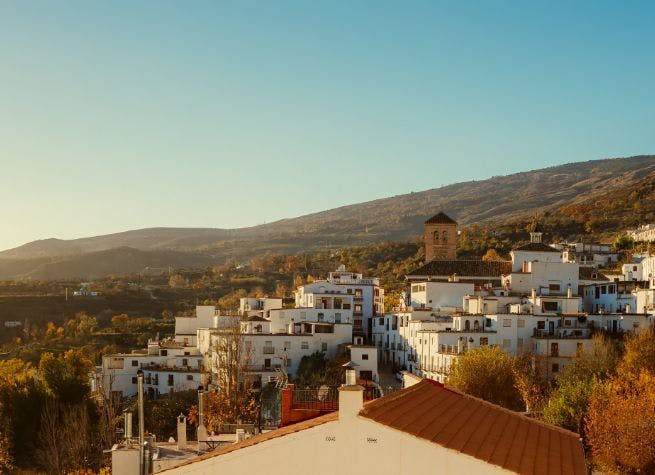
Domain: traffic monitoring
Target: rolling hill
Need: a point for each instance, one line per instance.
(500, 199)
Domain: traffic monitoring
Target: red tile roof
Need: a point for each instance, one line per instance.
(501, 437)
(468, 268)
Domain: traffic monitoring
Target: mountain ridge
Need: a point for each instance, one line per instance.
(396, 218)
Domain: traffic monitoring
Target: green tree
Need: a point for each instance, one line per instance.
(488, 373)
(66, 377)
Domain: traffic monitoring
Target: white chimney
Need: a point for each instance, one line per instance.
(569, 291)
(202, 430)
(351, 395)
(181, 432)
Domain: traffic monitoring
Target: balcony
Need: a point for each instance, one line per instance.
(562, 333)
(268, 350)
(450, 350)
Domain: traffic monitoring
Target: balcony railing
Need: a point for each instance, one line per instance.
(268, 350)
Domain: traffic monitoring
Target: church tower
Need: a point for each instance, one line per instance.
(440, 238)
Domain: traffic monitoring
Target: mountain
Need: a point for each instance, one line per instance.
(496, 200)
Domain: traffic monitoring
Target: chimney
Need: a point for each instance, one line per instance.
(181, 432)
(351, 395)
(127, 425)
(533, 294)
(202, 430)
(569, 291)
(142, 455)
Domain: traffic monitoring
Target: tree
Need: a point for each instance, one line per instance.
(234, 400)
(620, 425)
(623, 243)
(568, 404)
(491, 255)
(530, 383)
(488, 373)
(639, 354)
(177, 281)
(66, 377)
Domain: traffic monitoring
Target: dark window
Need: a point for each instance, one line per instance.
(185, 362)
(135, 363)
(541, 325)
(366, 375)
(189, 377)
(133, 379)
(553, 287)
(484, 341)
(550, 306)
(554, 349)
(163, 352)
(364, 357)
(170, 380)
(267, 363)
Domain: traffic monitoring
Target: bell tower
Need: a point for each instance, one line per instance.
(440, 237)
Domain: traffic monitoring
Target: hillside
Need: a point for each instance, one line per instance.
(564, 190)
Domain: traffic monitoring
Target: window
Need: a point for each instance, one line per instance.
(541, 325)
(189, 377)
(381, 321)
(358, 309)
(267, 363)
(554, 349)
(520, 323)
(170, 380)
(287, 345)
(304, 345)
(507, 322)
(323, 346)
(366, 375)
(467, 325)
(364, 356)
(133, 379)
(549, 306)
(444, 237)
(436, 236)
(555, 367)
(163, 352)
(603, 289)
(568, 323)
(185, 362)
(519, 342)
(611, 289)
(358, 292)
(484, 341)
(321, 316)
(554, 287)
(337, 318)
(135, 363)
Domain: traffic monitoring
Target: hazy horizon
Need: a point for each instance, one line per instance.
(129, 115)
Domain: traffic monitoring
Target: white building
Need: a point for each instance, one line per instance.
(645, 233)
(367, 296)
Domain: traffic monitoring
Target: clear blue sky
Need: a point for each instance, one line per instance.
(117, 115)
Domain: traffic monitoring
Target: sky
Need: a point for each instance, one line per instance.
(118, 115)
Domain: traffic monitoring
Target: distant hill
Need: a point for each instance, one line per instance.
(496, 200)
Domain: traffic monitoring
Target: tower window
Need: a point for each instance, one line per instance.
(436, 236)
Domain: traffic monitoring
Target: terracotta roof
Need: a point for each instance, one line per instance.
(498, 436)
(476, 268)
(591, 273)
(535, 247)
(441, 218)
(274, 434)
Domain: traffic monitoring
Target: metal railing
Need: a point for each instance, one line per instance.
(319, 399)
